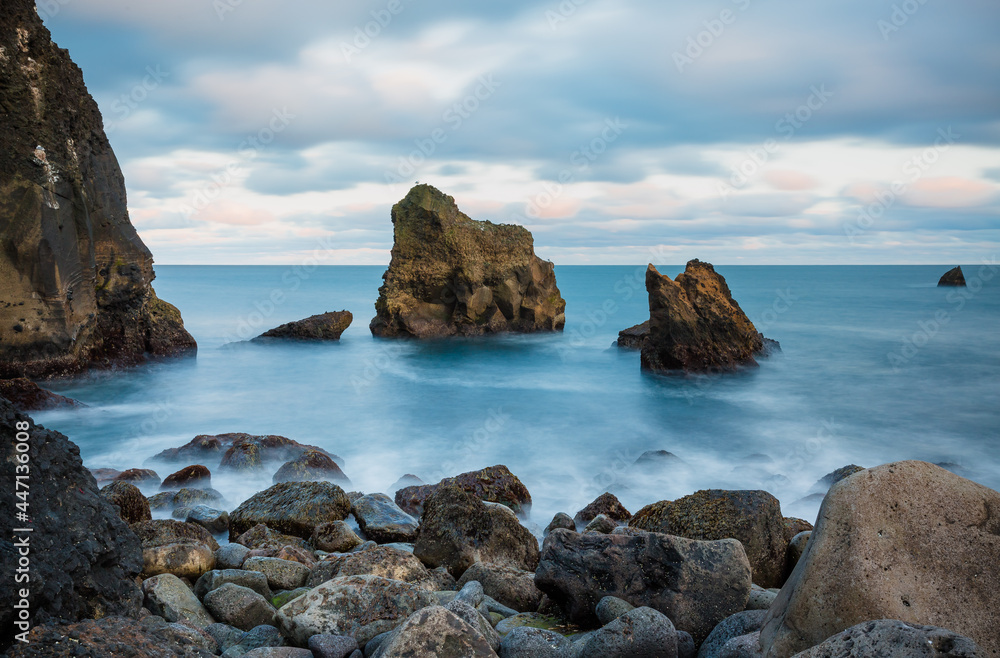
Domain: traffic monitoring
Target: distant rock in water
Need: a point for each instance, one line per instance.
(452, 275)
(26, 395)
(325, 326)
(695, 325)
(74, 275)
(952, 277)
(633, 337)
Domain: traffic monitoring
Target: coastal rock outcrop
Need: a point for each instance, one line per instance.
(695, 324)
(634, 337)
(75, 278)
(952, 277)
(238, 450)
(325, 326)
(452, 275)
(26, 395)
(908, 541)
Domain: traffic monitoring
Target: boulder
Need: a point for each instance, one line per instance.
(332, 646)
(359, 606)
(166, 595)
(214, 520)
(231, 556)
(84, 558)
(385, 561)
(694, 583)
(278, 652)
(495, 484)
(611, 608)
(741, 623)
(908, 541)
(889, 638)
(695, 325)
(26, 395)
(211, 448)
(281, 574)
(160, 532)
(607, 504)
(382, 520)
(239, 606)
(334, 537)
(216, 578)
(477, 620)
(514, 588)
(601, 523)
(76, 277)
(132, 505)
(435, 631)
(824, 483)
(796, 547)
(195, 477)
(452, 275)
(527, 642)
(140, 476)
(458, 530)
(258, 637)
(260, 537)
(639, 633)
(752, 517)
(185, 559)
(325, 326)
(760, 598)
(952, 277)
(634, 337)
(103, 475)
(294, 508)
(794, 526)
(112, 637)
(560, 520)
(408, 480)
(309, 466)
(744, 646)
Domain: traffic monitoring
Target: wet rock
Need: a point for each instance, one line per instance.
(471, 593)
(231, 556)
(281, 574)
(734, 626)
(190, 497)
(601, 524)
(458, 530)
(358, 606)
(334, 537)
(281, 598)
(560, 520)
(214, 520)
(608, 505)
(452, 275)
(495, 484)
(634, 337)
(332, 646)
(211, 448)
(216, 578)
(160, 532)
(952, 277)
(685, 645)
(752, 517)
(195, 477)
(530, 620)
(383, 521)
(185, 559)
(695, 324)
(260, 537)
(258, 637)
(384, 561)
(166, 595)
(325, 326)
(239, 606)
(694, 583)
(658, 459)
(526, 642)
(435, 631)
(888, 638)
(290, 553)
(132, 505)
(824, 483)
(907, 541)
(476, 620)
(139, 476)
(639, 633)
(112, 637)
(311, 465)
(26, 395)
(514, 588)
(103, 475)
(295, 508)
(610, 608)
(224, 635)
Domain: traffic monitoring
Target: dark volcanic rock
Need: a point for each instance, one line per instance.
(74, 275)
(114, 637)
(695, 324)
(495, 484)
(451, 275)
(26, 395)
(889, 638)
(311, 465)
(633, 338)
(133, 505)
(952, 277)
(325, 326)
(294, 508)
(84, 558)
(194, 476)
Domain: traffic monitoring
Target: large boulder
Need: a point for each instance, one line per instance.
(239, 606)
(359, 606)
(325, 326)
(696, 584)
(211, 448)
(334, 537)
(26, 395)
(385, 561)
(195, 476)
(260, 537)
(495, 484)
(514, 588)
(113, 637)
(752, 517)
(907, 541)
(890, 638)
(132, 505)
(457, 530)
(83, 557)
(695, 324)
(76, 278)
(607, 504)
(452, 275)
(293, 508)
(166, 595)
(952, 277)
(185, 550)
(311, 465)
(382, 520)
(639, 633)
(742, 623)
(435, 631)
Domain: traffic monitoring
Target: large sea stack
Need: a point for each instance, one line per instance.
(74, 276)
(452, 275)
(695, 325)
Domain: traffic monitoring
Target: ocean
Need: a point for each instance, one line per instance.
(877, 364)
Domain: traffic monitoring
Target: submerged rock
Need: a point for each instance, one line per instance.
(325, 326)
(26, 395)
(495, 484)
(309, 466)
(952, 277)
(451, 275)
(212, 449)
(695, 324)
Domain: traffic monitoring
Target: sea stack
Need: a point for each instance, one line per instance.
(74, 275)
(952, 277)
(452, 275)
(695, 325)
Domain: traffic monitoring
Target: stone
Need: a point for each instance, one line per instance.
(794, 526)
(279, 652)
(160, 532)
(952, 277)
(457, 530)
(358, 606)
(102, 475)
(608, 505)
(311, 465)
(76, 277)
(281, 574)
(685, 645)
(639, 633)
(695, 325)
(26, 395)
(190, 497)
(633, 337)
(744, 646)
(195, 477)
(452, 275)
(185, 559)
(168, 596)
(239, 606)
(408, 480)
(471, 593)
(261, 537)
(140, 476)
(384, 561)
(132, 505)
(224, 635)
(214, 520)
(731, 627)
(495, 484)
(601, 524)
(889, 638)
(610, 608)
(231, 556)
(752, 517)
(216, 578)
(824, 483)
(560, 520)
(332, 646)
(294, 508)
(111, 637)
(295, 554)
(908, 541)
(530, 620)
(334, 537)
(797, 547)
(435, 631)
(760, 598)
(258, 637)
(383, 521)
(325, 326)
(211, 449)
(471, 616)
(281, 598)
(527, 642)
(511, 587)
(84, 560)
(694, 583)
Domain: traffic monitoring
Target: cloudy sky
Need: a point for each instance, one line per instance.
(735, 131)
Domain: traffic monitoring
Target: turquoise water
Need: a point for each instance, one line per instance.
(567, 412)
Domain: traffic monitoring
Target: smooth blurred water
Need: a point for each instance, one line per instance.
(567, 412)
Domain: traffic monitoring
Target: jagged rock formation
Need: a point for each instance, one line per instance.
(634, 337)
(26, 395)
(952, 277)
(451, 275)
(696, 325)
(325, 326)
(74, 276)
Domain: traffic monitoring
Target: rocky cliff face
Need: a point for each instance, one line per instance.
(696, 325)
(451, 275)
(74, 276)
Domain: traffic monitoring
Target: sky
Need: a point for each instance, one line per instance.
(734, 131)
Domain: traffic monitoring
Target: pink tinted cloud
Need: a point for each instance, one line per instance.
(789, 180)
(949, 192)
(233, 214)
